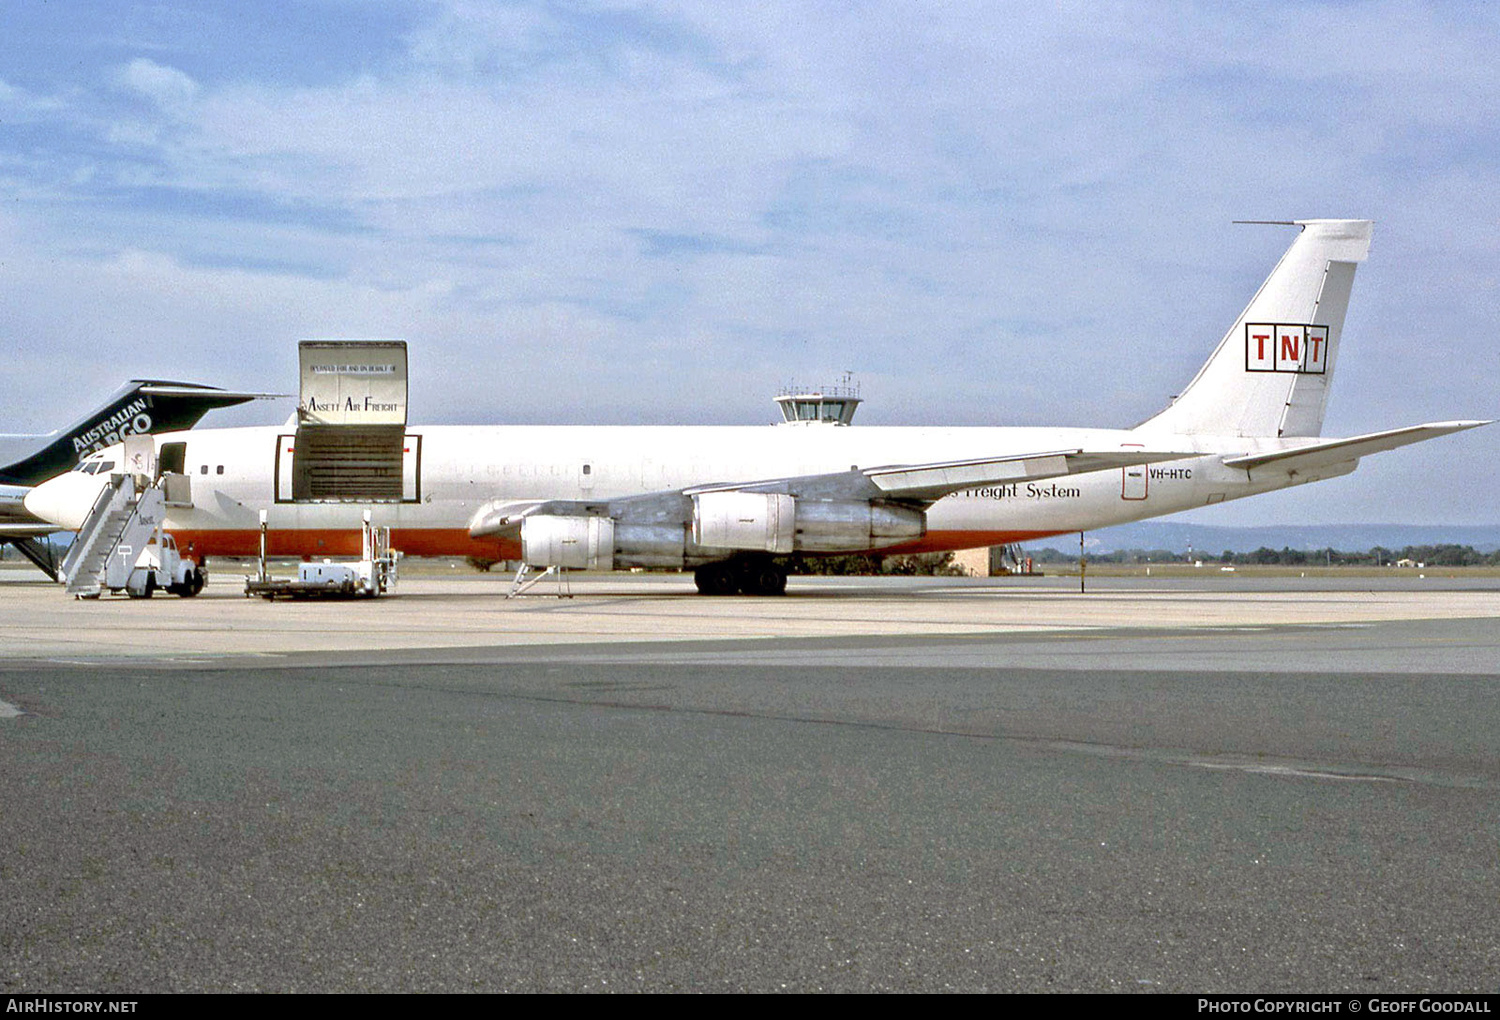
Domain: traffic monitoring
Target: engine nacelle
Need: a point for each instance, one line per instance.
(599, 543)
(762, 521)
(847, 526)
(578, 543)
(722, 522)
(778, 523)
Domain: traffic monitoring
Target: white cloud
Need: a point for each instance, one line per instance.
(170, 89)
(994, 213)
(18, 105)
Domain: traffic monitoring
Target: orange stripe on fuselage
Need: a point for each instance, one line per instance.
(946, 541)
(342, 542)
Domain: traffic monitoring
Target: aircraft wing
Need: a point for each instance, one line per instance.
(1333, 451)
(21, 529)
(928, 483)
(503, 517)
(931, 482)
(9, 530)
(917, 485)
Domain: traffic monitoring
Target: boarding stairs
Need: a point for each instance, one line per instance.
(124, 519)
(40, 552)
(1013, 560)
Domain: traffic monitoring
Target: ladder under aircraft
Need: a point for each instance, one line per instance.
(40, 552)
(123, 521)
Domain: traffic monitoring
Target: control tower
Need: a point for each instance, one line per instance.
(830, 405)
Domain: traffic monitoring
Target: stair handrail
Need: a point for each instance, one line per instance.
(80, 549)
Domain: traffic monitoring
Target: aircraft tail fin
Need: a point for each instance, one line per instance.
(140, 406)
(1270, 374)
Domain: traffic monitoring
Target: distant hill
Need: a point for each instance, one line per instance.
(1210, 540)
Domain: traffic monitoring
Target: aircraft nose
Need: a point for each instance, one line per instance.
(65, 500)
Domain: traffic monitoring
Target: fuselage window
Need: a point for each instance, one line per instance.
(203, 470)
(221, 469)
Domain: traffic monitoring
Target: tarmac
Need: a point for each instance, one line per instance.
(1210, 784)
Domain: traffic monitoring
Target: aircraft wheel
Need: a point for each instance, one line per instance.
(715, 579)
(764, 579)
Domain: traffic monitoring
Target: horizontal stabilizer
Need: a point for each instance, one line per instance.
(1333, 451)
(206, 394)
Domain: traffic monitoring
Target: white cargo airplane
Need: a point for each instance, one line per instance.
(139, 407)
(727, 501)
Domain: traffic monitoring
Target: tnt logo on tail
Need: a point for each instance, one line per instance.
(1284, 347)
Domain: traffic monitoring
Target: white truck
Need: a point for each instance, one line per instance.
(122, 545)
(161, 567)
(373, 574)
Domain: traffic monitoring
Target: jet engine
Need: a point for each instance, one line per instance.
(720, 525)
(578, 543)
(778, 523)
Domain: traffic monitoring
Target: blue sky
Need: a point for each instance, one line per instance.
(653, 212)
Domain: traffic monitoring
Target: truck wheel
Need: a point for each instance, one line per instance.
(192, 584)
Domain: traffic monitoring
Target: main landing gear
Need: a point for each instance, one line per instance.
(747, 575)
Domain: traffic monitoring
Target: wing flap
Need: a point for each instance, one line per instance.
(933, 481)
(960, 474)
